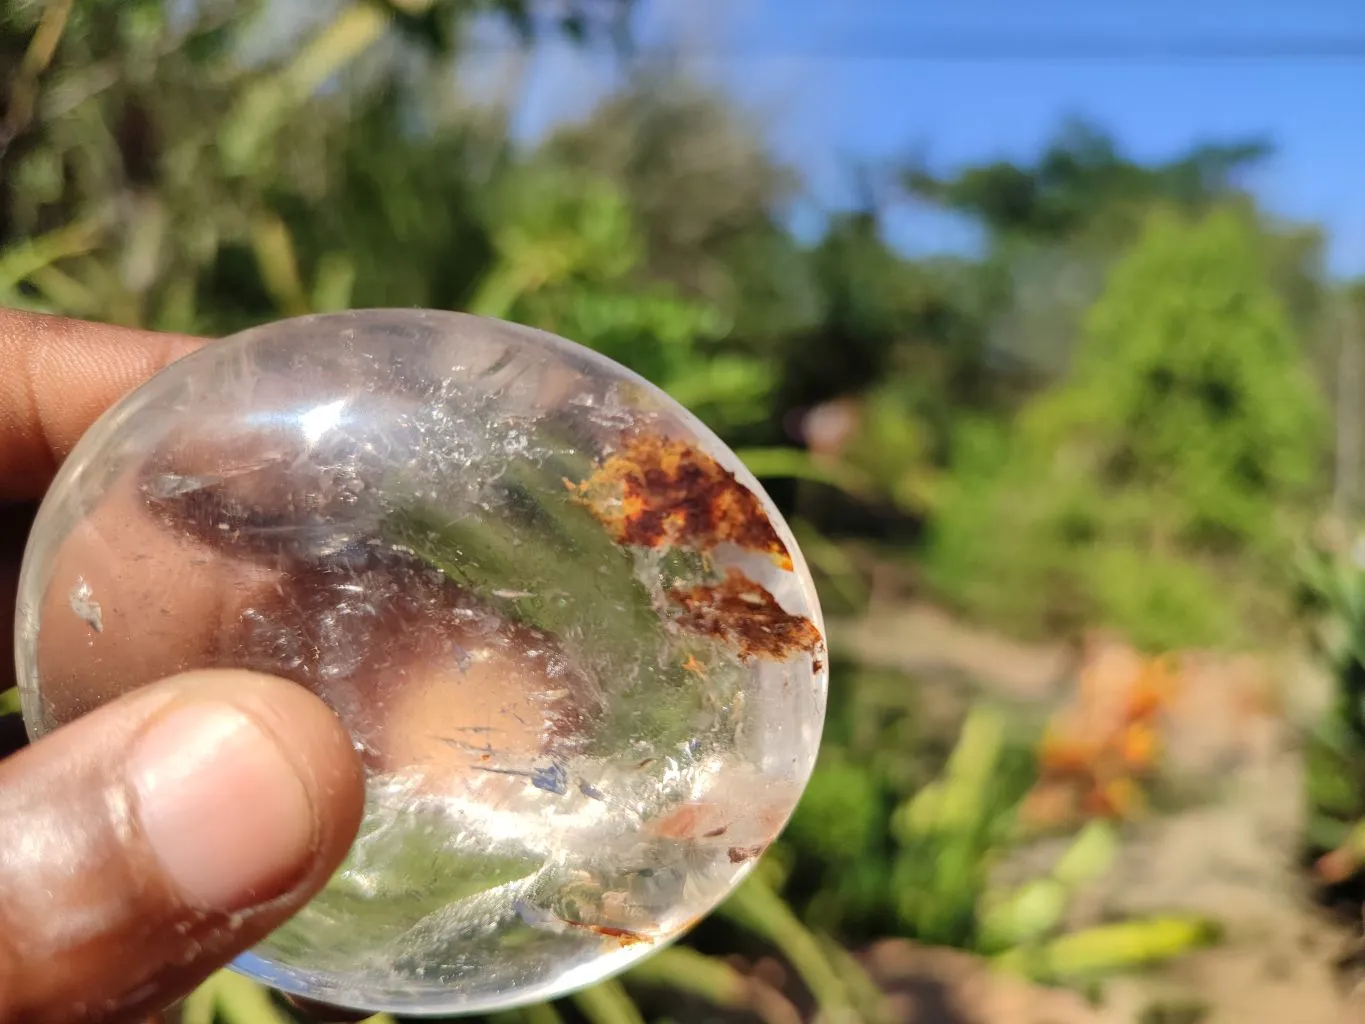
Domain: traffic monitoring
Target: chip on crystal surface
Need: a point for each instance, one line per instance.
(572, 639)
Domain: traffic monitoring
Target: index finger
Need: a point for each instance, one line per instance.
(56, 377)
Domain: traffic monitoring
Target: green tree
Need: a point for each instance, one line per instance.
(1082, 179)
(1055, 223)
(1151, 490)
(705, 199)
(694, 170)
(568, 251)
(189, 167)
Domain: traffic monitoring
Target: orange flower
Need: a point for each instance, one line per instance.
(1138, 747)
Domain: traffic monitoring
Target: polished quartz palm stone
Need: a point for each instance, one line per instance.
(573, 641)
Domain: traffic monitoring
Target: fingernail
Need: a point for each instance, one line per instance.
(222, 807)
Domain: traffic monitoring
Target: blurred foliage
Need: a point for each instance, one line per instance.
(905, 845)
(1186, 433)
(1333, 597)
(1114, 414)
(1082, 182)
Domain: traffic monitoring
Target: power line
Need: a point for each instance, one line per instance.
(998, 47)
(979, 47)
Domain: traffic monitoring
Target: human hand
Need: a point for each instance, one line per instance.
(151, 841)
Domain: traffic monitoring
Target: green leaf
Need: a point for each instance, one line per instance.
(607, 1003)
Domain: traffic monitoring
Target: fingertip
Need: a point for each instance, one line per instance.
(247, 789)
(147, 843)
(61, 375)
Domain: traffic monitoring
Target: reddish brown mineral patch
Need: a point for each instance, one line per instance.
(741, 614)
(624, 936)
(657, 492)
(739, 854)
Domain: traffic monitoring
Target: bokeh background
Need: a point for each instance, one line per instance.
(1045, 325)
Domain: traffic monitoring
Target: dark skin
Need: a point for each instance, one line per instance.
(148, 843)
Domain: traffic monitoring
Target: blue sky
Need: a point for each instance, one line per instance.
(831, 83)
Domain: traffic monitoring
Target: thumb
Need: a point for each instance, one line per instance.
(148, 843)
